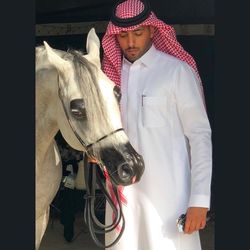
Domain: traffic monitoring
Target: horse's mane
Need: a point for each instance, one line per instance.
(86, 76)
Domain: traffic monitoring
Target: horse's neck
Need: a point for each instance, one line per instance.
(46, 126)
(46, 107)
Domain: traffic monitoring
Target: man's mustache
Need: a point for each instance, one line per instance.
(131, 48)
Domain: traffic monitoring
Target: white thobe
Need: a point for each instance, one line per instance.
(165, 119)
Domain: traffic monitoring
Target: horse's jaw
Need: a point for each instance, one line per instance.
(46, 124)
(71, 139)
(66, 130)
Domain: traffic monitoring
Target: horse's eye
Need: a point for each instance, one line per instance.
(117, 93)
(77, 109)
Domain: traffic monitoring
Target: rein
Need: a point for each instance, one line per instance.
(92, 179)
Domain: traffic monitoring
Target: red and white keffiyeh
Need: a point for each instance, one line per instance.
(164, 40)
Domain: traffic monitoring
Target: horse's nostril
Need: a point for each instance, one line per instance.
(125, 172)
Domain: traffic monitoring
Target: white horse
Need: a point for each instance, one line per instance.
(74, 96)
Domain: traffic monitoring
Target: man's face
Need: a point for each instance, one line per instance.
(135, 43)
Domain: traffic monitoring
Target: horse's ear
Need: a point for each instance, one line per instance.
(93, 47)
(55, 59)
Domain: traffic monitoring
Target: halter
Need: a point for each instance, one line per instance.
(84, 144)
(94, 225)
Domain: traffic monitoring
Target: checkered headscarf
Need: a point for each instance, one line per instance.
(164, 39)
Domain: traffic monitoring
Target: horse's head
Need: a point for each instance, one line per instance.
(88, 112)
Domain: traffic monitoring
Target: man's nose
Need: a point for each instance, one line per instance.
(131, 41)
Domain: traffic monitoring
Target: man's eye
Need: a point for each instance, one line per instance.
(123, 35)
(138, 33)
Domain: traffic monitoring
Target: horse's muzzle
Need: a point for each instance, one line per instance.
(125, 166)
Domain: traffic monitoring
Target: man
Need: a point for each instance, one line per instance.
(164, 116)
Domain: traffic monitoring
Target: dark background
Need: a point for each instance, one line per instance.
(177, 11)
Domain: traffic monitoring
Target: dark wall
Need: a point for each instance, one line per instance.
(171, 11)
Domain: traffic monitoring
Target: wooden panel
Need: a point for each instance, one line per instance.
(58, 29)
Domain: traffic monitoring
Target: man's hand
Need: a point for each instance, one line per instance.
(92, 160)
(195, 219)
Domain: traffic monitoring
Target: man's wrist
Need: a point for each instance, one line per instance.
(199, 201)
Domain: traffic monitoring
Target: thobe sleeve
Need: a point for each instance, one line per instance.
(197, 129)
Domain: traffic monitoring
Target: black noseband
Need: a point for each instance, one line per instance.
(105, 136)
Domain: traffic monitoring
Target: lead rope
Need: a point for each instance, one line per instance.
(92, 177)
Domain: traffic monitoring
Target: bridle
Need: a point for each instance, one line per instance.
(84, 144)
(92, 177)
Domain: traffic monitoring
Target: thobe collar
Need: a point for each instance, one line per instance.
(147, 59)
